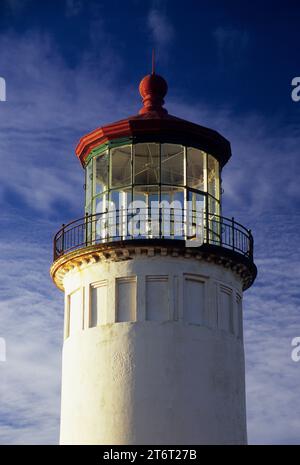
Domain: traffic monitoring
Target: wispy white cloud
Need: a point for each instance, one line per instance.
(15, 7)
(271, 322)
(231, 44)
(31, 323)
(160, 27)
(73, 8)
(161, 31)
(258, 177)
(49, 106)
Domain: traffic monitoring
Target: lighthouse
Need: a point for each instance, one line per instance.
(153, 276)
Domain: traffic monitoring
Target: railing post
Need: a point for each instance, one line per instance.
(63, 239)
(232, 232)
(54, 249)
(207, 225)
(160, 219)
(250, 244)
(86, 229)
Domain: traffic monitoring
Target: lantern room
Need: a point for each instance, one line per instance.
(154, 158)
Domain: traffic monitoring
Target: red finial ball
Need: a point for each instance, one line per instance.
(153, 89)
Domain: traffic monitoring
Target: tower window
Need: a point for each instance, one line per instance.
(239, 312)
(75, 312)
(157, 298)
(126, 299)
(194, 300)
(98, 304)
(225, 314)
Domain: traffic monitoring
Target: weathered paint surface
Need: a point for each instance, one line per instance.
(161, 381)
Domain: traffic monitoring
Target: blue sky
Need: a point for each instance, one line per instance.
(73, 65)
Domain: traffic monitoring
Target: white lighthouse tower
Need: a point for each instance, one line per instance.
(153, 336)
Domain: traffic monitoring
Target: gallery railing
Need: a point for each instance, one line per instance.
(195, 227)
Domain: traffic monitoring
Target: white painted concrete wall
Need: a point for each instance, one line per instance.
(174, 378)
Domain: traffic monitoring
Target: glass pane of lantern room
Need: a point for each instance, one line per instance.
(145, 212)
(195, 213)
(213, 176)
(173, 195)
(213, 206)
(172, 164)
(101, 173)
(101, 203)
(146, 195)
(119, 199)
(196, 201)
(195, 168)
(146, 163)
(99, 223)
(214, 220)
(89, 186)
(120, 163)
(172, 211)
(119, 204)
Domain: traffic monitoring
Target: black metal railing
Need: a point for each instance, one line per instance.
(192, 226)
